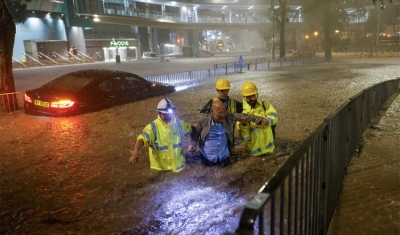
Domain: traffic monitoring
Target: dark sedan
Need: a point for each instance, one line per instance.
(90, 90)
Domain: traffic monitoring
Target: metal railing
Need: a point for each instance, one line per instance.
(41, 55)
(174, 78)
(302, 195)
(11, 102)
(228, 68)
(52, 59)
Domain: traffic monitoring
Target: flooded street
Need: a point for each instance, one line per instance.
(71, 175)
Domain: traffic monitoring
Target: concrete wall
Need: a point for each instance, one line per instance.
(37, 29)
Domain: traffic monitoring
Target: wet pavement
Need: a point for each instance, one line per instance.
(71, 175)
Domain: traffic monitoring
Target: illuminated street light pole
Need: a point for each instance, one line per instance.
(273, 29)
(316, 42)
(305, 42)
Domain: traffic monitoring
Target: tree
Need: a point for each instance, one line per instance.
(279, 17)
(11, 12)
(390, 17)
(328, 16)
(381, 2)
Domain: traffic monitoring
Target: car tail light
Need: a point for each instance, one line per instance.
(62, 104)
(27, 98)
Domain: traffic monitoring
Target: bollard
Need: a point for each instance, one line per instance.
(248, 66)
(118, 59)
(268, 64)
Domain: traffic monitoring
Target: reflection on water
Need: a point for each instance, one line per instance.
(184, 207)
(52, 181)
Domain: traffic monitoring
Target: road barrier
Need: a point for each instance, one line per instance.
(229, 68)
(10, 102)
(302, 195)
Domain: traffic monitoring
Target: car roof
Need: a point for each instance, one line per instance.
(77, 80)
(96, 73)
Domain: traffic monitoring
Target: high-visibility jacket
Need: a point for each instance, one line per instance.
(258, 139)
(165, 143)
(231, 105)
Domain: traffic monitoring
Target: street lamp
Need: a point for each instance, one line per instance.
(305, 42)
(316, 42)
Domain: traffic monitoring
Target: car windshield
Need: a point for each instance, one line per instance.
(70, 82)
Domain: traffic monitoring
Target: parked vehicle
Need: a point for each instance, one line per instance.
(220, 45)
(149, 55)
(90, 90)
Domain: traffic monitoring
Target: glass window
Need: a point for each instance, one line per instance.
(106, 85)
(135, 82)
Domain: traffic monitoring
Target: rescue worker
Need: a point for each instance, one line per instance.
(163, 137)
(231, 105)
(215, 134)
(258, 139)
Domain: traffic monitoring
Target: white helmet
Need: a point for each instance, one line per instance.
(166, 106)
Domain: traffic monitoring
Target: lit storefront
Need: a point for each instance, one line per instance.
(107, 49)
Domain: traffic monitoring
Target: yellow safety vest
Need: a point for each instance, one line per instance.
(231, 105)
(165, 143)
(258, 139)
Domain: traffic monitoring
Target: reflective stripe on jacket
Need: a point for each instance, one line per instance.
(165, 143)
(231, 105)
(258, 139)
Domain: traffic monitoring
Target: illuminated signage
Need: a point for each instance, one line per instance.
(119, 43)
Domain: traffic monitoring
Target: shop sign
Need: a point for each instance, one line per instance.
(119, 43)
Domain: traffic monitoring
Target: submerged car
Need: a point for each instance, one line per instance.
(90, 90)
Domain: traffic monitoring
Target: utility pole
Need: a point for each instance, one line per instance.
(273, 29)
(377, 28)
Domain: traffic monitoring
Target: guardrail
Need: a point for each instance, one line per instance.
(174, 78)
(52, 59)
(11, 102)
(301, 197)
(227, 68)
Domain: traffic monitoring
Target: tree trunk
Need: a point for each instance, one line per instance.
(327, 34)
(395, 35)
(7, 32)
(282, 49)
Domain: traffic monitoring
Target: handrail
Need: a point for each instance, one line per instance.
(81, 53)
(74, 56)
(62, 57)
(18, 61)
(40, 53)
(33, 58)
(307, 186)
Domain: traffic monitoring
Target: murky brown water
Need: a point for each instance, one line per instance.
(71, 176)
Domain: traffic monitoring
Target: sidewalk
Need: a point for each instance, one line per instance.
(370, 200)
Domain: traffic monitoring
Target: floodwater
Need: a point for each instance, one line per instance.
(71, 175)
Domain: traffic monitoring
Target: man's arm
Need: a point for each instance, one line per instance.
(246, 118)
(271, 112)
(135, 154)
(196, 132)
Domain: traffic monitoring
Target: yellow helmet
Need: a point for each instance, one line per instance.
(223, 84)
(249, 89)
